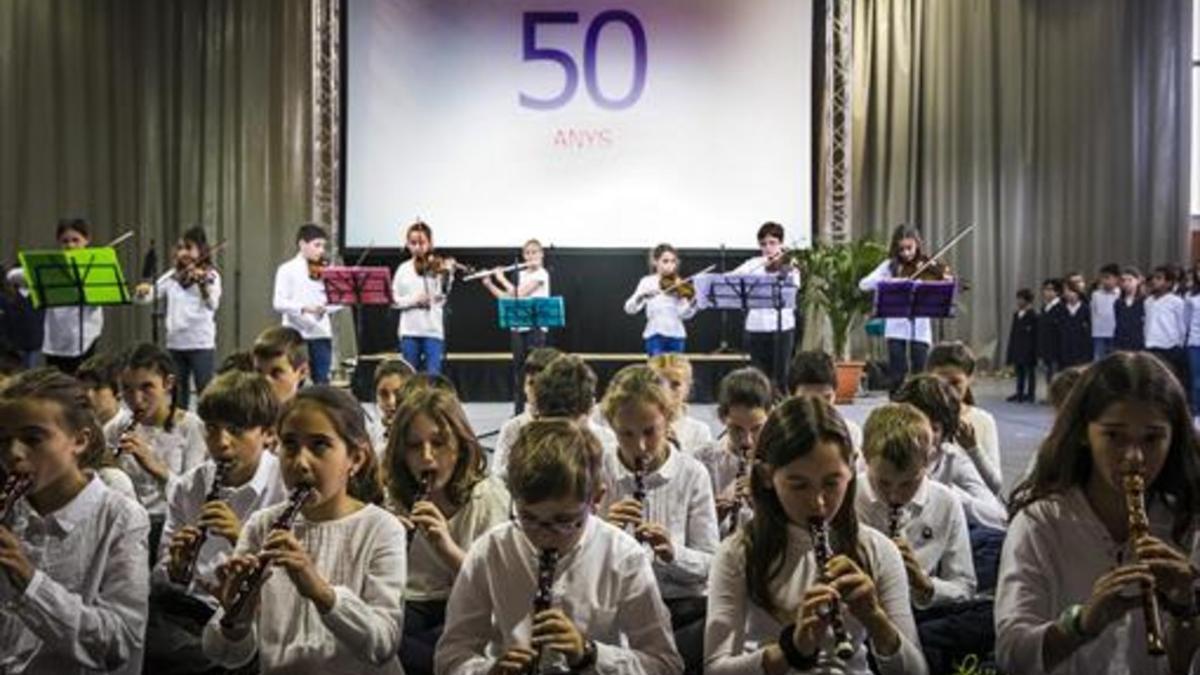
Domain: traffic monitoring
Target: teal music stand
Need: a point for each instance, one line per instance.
(82, 277)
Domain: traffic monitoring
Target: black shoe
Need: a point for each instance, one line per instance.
(1015, 398)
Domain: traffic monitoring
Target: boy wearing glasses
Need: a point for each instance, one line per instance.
(605, 611)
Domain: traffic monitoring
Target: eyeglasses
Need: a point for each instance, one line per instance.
(556, 526)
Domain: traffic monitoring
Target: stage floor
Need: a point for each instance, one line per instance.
(1022, 426)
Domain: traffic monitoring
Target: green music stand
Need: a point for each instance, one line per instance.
(82, 277)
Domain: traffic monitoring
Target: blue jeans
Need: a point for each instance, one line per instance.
(661, 344)
(320, 358)
(1194, 361)
(1101, 347)
(191, 364)
(424, 354)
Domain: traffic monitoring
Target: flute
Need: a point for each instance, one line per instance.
(252, 582)
(191, 553)
(542, 601)
(1139, 525)
(16, 485)
(842, 646)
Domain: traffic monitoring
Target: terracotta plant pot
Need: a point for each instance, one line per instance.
(849, 374)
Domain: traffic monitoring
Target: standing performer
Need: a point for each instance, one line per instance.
(908, 340)
(192, 290)
(666, 301)
(533, 281)
(300, 298)
(764, 326)
(419, 290)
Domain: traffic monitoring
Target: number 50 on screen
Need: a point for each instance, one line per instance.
(565, 60)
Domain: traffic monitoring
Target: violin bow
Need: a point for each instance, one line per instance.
(943, 250)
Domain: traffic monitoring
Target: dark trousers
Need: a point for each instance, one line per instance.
(522, 344)
(952, 634)
(905, 357)
(191, 364)
(1177, 360)
(320, 359)
(1027, 382)
(687, 621)
(1051, 369)
(69, 364)
(173, 631)
(761, 347)
(423, 625)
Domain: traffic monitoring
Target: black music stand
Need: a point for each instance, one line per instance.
(743, 292)
(911, 299)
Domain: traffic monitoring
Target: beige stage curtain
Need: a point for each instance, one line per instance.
(155, 115)
(1060, 128)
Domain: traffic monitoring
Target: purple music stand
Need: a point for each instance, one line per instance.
(740, 292)
(910, 299)
(357, 287)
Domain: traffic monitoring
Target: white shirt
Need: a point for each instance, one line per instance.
(265, 488)
(118, 481)
(856, 434)
(62, 330)
(934, 525)
(691, 433)
(1104, 313)
(504, 442)
(916, 330)
(604, 583)
(429, 578)
(1055, 550)
(294, 291)
(665, 313)
(542, 277)
(767, 320)
(952, 468)
(85, 609)
(362, 556)
(190, 318)
(182, 448)
(1166, 323)
(724, 466)
(1193, 314)
(679, 497)
(737, 630)
(416, 321)
(987, 437)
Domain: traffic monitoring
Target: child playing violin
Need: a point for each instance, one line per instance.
(419, 288)
(192, 291)
(662, 295)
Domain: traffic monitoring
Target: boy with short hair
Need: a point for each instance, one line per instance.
(281, 355)
(301, 300)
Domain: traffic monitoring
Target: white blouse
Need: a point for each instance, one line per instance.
(665, 313)
(190, 316)
(363, 556)
(934, 525)
(294, 291)
(723, 465)
(738, 630)
(1055, 550)
(952, 468)
(691, 433)
(182, 449)
(604, 583)
(416, 321)
(429, 578)
(987, 436)
(679, 497)
(85, 609)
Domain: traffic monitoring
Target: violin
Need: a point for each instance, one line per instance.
(673, 284)
(316, 268)
(924, 268)
(198, 271)
(436, 263)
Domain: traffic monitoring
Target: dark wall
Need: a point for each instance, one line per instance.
(594, 285)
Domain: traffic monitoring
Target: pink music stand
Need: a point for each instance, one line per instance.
(357, 287)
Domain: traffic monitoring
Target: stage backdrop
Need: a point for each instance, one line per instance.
(619, 123)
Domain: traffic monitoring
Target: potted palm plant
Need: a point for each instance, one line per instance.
(830, 274)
